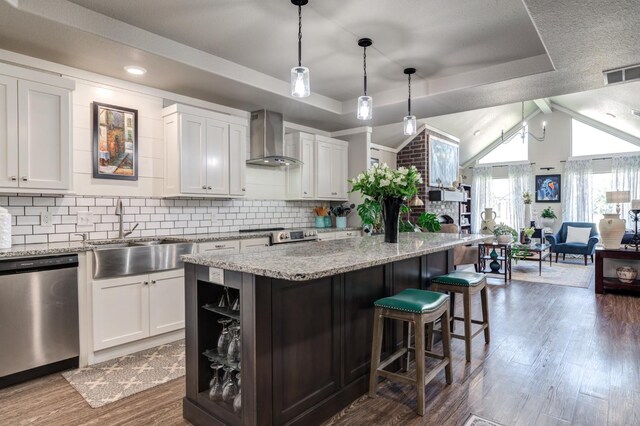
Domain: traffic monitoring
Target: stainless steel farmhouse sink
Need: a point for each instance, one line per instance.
(138, 257)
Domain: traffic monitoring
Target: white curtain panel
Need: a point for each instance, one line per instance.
(577, 191)
(519, 182)
(626, 177)
(480, 194)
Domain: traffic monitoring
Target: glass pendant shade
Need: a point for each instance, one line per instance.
(300, 82)
(410, 125)
(365, 108)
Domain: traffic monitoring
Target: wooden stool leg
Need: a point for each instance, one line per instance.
(376, 347)
(430, 335)
(420, 362)
(406, 341)
(485, 313)
(466, 299)
(446, 346)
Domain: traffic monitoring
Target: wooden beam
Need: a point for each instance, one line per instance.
(544, 105)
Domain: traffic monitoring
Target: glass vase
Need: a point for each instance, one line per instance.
(390, 215)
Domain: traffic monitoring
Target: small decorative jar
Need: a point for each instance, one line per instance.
(319, 221)
(327, 221)
(341, 222)
(627, 274)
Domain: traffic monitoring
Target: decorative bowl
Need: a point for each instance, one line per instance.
(627, 274)
(504, 239)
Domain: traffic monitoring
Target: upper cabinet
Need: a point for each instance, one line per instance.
(323, 174)
(35, 131)
(205, 152)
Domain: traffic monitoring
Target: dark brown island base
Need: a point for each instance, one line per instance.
(305, 320)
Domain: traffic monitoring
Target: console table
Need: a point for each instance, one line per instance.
(612, 282)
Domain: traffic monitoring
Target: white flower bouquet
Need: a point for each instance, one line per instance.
(380, 181)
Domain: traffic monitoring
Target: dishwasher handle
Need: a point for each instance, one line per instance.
(31, 264)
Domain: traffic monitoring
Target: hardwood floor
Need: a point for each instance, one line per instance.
(558, 355)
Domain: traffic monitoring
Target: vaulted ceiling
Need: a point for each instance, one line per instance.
(470, 54)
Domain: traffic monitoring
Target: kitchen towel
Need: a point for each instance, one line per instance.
(5, 229)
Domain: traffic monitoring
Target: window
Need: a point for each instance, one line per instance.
(587, 140)
(499, 199)
(600, 184)
(512, 150)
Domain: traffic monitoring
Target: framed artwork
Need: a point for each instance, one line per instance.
(115, 142)
(548, 189)
(443, 163)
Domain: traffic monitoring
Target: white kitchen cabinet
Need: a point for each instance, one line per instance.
(132, 308)
(301, 179)
(220, 247)
(331, 169)
(253, 244)
(205, 152)
(35, 131)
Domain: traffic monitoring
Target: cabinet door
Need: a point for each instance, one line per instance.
(338, 172)
(193, 165)
(323, 169)
(8, 131)
(166, 302)
(237, 159)
(308, 168)
(44, 136)
(217, 157)
(120, 311)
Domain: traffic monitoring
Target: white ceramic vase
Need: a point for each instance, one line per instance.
(527, 215)
(504, 239)
(611, 229)
(488, 217)
(547, 222)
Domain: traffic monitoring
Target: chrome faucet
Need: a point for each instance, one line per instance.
(121, 231)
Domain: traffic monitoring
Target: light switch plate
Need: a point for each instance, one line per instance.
(85, 218)
(46, 219)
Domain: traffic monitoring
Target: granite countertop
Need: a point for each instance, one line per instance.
(44, 249)
(307, 261)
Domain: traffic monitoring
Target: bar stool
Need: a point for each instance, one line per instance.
(418, 307)
(467, 283)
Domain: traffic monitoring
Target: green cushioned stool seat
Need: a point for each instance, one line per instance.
(463, 279)
(413, 300)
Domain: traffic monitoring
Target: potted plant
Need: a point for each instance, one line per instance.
(504, 233)
(429, 222)
(548, 217)
(391, 188)
(528, 233)
(527, 199)
(370, 212)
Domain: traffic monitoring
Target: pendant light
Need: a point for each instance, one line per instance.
(365, 103)
(409, 120)
(300, 75)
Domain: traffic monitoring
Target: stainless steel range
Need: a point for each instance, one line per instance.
(293, 236)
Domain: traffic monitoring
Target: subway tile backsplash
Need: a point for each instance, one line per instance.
(155, 216)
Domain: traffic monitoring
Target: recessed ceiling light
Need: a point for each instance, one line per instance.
(135, 70)
(476, 133)
(611, 115)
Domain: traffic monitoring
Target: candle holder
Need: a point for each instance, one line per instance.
(634, 215)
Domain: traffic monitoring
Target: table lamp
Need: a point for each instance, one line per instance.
(618, 197)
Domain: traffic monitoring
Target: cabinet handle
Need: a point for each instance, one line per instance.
(14, 178)
(208, 187)
(220, 246)
(24, 178)
(305, 192)
(204, 186)
(146, 283)
(243, 189)
(153, 281)
(349, 234)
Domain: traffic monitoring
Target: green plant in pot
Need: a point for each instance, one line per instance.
(504, 233)
(370, 212)
(548, 217)
(429, 222)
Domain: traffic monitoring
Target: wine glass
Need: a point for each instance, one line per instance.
(215, 391)
(223, 303)
(235, 305)
(237, 401)
(233, 352)
(229, 388)
(224, 339)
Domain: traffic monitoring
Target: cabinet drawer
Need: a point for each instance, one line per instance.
(254, 244)
(221, 247)
(346, 234)
(326, 236)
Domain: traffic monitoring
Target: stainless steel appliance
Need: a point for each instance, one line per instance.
(267, 141)
(38, 317)
(138, 257)
(293, 236)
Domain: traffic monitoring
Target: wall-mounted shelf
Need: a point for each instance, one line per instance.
(442, 195)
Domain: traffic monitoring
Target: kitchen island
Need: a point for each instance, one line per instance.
(306, 322)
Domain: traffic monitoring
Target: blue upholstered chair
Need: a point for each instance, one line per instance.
(558, 244)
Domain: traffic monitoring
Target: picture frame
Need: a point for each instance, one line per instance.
(115, 142)
(548, 188)
(443, 163)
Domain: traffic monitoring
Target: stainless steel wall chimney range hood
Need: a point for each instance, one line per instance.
(267, 140)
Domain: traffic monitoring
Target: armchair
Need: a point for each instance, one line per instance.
(462, 255)
(559, 244)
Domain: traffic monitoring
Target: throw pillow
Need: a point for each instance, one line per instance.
(578, 235)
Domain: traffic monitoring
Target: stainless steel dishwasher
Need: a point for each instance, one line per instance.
(38, 317)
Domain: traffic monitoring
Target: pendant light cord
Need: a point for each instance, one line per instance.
(364, 58)
(409, 99)
(299, 35)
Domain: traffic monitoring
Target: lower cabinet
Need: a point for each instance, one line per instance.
(234, 246)
(338, 235)
(131, 308)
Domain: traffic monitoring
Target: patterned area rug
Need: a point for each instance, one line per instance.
(110, 381)
(570, 273)
(474, 420)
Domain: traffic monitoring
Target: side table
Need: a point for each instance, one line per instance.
(612, 282)
(484, 249)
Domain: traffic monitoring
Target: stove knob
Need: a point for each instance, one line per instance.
(285, 236)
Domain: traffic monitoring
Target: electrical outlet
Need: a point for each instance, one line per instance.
(46, 219)
(85, 218)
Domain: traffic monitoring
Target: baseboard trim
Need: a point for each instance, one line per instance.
(129, 348)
